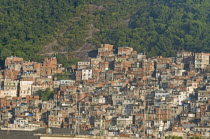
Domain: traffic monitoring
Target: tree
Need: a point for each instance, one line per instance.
(196, 137)
(45, 95)
(173, 137)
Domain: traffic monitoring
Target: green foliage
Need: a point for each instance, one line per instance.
(64, 76)
(173, 137)
(27, 25)
(197, 137)
(66, 61)
(156, 27)
(45, 95)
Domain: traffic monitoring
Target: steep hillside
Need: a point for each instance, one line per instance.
(158, 27)
(73, 27)
(27, 25)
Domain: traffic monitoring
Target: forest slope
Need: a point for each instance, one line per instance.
(156, 27)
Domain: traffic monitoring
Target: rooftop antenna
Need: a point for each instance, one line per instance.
(75, 130)
(78, 120)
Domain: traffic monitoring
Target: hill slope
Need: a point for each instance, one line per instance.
(29, 27)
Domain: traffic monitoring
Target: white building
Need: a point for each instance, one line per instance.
(37, 87)
(86, 74)
(22, 125)
(99, 99)
(201, 60)
(161, 93)
(6, 93)
(179, 72)
(124, 121)
(66, 82)
(25, 88)
(179, 97)
(21, 122)
(83, 65)
(10, 84)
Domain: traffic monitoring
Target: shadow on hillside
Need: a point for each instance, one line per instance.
(93, 53)
(1, 64)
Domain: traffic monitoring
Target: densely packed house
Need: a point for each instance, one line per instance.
(117, 93)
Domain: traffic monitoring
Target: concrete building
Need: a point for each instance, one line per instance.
(201, 61)
(25, 88)
(86, 74)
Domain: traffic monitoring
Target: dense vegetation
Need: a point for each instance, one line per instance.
(173, 137)
(65, 76)
(45, 95)
(26, 25)
(159, 27)
(156, 27)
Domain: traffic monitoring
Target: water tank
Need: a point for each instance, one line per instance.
(48, 130)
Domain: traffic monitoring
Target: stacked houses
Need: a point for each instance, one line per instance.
(117, 93)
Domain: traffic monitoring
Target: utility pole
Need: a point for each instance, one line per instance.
(85, 110)
(75, 130)
(79, 120)
(100, 125)
(144, 116)
(104, 125)
(159, 117)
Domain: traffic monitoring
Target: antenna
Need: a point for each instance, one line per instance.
(78, 120)
(75, 130)
(144, 116)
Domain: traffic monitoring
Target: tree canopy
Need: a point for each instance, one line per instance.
(27, 25)
(45, 95)
(156, 27)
